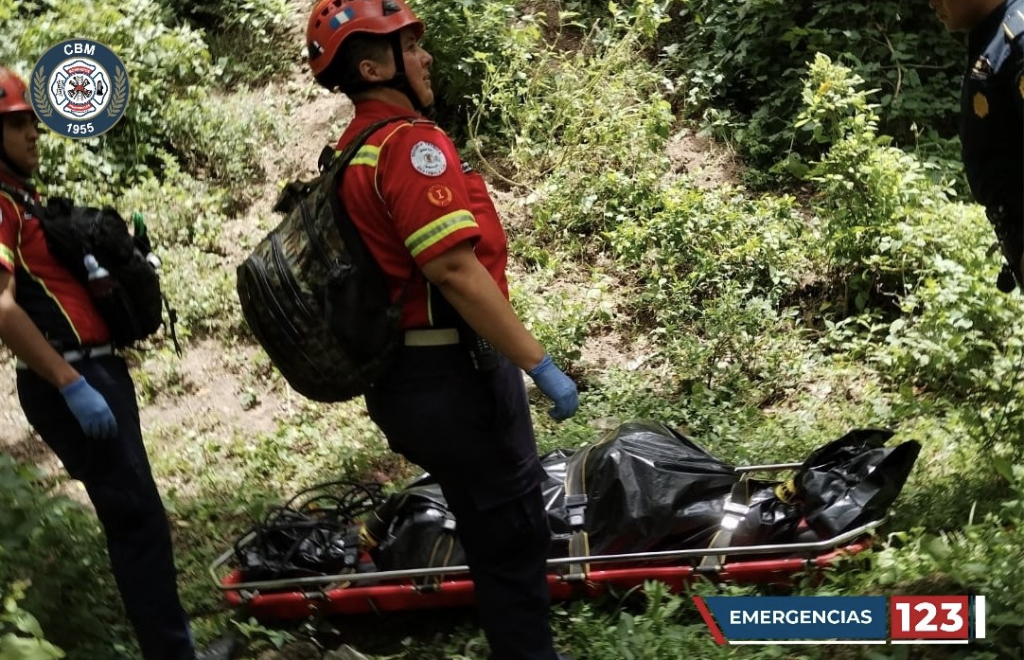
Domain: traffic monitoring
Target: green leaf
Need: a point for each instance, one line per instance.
(21, 648)
(1004, 467)
(937, 547)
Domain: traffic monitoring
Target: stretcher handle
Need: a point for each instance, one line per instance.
(772, 467)
(794, 548)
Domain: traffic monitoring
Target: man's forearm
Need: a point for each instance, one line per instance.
(467, 285)
(483, 306)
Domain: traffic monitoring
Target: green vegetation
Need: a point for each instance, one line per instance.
(739, 66)
(855, 291)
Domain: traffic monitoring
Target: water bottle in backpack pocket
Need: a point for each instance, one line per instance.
(96, 247)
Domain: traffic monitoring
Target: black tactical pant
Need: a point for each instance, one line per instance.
(1008, 224)
(472, 432)
(117, 476)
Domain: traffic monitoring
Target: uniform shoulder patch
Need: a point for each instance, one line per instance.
(428, 159)
(1013, 26)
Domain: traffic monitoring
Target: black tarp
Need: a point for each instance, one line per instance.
(650, 488)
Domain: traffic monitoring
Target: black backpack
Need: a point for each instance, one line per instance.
(132, 309)
(314, 296)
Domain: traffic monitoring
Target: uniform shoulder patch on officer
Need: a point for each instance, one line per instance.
(428, 159)
(439, 195)
(1013, 26)
(980, 105)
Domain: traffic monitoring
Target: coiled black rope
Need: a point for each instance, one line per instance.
(316, 532)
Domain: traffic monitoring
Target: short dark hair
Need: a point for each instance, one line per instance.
(343, 71)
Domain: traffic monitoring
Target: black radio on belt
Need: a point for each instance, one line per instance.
(482, 352)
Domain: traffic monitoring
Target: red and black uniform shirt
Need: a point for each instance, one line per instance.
(59, 305)
(412, 199)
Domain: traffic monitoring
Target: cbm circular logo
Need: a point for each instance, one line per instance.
(79, 88)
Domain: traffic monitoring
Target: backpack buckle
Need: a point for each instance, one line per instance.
(326, 156)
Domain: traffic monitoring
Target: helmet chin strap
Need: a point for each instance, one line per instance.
(400, 82)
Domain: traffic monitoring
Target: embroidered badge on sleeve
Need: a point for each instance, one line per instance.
(439, 195)
(427, 158)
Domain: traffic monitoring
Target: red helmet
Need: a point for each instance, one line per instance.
(334, 21)
(13, 93)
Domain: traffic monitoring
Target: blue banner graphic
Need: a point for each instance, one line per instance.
(800, 617)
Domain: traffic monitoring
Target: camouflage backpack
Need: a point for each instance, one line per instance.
(313, 294)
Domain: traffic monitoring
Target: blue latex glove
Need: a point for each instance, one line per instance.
(90, 409)
(556, 386)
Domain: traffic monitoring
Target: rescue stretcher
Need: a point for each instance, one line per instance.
(571, 577)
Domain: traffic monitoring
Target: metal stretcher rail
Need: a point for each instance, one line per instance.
(353, 579)
(791, 548)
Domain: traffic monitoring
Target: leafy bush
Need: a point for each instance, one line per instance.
(20, 633)
(180, 211)
(589, 125)
(262, 25)
(55, 545)
(461, 36)
(561, 315)
(738, 65)
(700, 243)
(170, 111)
(592, 110)
(878, 203)
(913, 261)
(202, 292)
(956, 335)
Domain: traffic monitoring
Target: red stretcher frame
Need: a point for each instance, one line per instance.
(568, 577)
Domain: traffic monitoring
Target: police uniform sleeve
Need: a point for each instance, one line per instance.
(1018, 97)
(1013, 31)
(10, 222)
(423, 188)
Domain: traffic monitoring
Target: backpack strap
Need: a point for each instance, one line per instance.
(330, 156)
(340, 161)
(20, 196)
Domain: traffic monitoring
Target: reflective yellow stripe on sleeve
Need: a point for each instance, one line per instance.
(435, 231)
(367, 155)
(6, 253)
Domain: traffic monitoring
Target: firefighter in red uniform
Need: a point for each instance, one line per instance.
(455, 403)
(80, 397)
